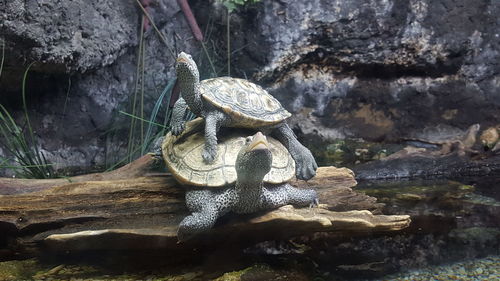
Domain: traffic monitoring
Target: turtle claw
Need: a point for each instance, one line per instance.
(209, 154)
(305, 166)
(197, 222)
(314, 203)
(188, 228)
(178, 128)
(183, 235)
(157, 149)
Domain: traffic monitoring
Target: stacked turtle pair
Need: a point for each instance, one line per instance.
(240, 170)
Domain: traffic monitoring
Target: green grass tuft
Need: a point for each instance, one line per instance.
(29, 161)
(164, 98)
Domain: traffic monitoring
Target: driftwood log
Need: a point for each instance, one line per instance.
(134, 209)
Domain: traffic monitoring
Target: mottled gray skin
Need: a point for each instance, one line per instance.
(189, 82)
(248, 195)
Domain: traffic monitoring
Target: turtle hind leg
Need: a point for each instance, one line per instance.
(276, 196)
(305, 165)
(302, 196)
(156, 150)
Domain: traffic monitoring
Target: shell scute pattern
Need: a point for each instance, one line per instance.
(216, 177)
(182, 156)
(247, 103)
(282, 162)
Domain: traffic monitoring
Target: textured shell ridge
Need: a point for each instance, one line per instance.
(247, 103)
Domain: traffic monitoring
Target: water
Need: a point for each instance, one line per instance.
(454, 235)
(455, 231)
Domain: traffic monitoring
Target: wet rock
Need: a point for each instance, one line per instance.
(420, 163)
(490, 137)
(348, 152)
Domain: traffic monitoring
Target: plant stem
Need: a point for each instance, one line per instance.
(3, 57)
(136, 87)
(30, 160)
(40, 158)
(209, 59)
(142, 89)
(24, 98)
(67, 95)
(228, 44)
(191, 19)
(160, 34)
(142, 119)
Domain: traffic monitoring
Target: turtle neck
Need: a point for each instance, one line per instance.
(190, 92)
(249, 195)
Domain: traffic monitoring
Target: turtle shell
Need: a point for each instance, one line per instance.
(182, 155)
(249, 105)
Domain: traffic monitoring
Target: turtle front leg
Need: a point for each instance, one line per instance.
(178, 123)
(197, 222)
(202, 204)
(213, 122)
(305, 164)
(277, 196)
(206, 207)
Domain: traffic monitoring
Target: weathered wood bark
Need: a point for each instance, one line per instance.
(140, 167)
(132, 209)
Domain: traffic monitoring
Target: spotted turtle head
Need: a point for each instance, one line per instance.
(186, 69)
(254, 159)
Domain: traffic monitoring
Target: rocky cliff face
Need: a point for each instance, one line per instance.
(364, 69)
(379, 70)
(86, 54)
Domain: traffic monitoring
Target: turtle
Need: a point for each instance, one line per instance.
(234, 102)
(251, 173)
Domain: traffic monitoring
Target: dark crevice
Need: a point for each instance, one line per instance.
(39, 86)
(382, 71)
(42, 227)
(6, 230)
(373, 70)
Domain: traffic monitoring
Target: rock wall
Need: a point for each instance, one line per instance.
(363, 69)
(86, 54)
(378, 70)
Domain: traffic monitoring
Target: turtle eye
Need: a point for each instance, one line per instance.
(248, 140)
